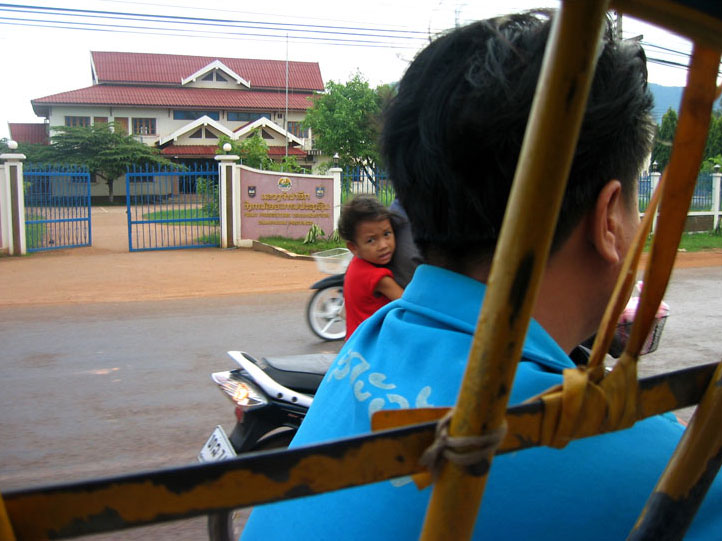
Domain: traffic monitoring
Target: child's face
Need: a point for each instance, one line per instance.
(374, 242)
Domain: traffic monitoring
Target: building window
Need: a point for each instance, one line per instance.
(195, 115)
(198, 134)
(296, 129)
(238, 116)
(144, 126)
(77, 121)
(100, 120)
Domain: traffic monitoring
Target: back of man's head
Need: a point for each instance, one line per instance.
(452, 135)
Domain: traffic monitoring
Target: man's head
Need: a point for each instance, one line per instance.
(365, 225)
(453, 134)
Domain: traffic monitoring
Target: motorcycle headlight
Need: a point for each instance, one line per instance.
(240, 390)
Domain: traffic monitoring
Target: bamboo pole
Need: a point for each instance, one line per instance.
(700, 24)
(520, 258)
(6, 527)
(679, 492)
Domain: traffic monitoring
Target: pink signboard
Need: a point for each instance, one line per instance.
(275, 203)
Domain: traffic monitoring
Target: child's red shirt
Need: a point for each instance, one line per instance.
(358, 292)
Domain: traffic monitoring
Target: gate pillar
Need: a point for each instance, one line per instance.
(12, 204)
(229, 191)
(336, 172)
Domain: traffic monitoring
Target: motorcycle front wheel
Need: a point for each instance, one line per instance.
(228, 525)
(326, 314)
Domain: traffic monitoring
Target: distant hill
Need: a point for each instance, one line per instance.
(666, 97)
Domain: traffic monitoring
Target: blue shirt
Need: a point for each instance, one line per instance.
(412, 353)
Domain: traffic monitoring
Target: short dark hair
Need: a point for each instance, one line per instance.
(453, 133)
(361, 208)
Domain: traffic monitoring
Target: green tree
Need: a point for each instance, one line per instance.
(345, 120)
(663, 139)
(104, 149)
(713, 147)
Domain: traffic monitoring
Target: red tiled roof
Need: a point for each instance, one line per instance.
(29, 133)
(116, 67)
(189, 150)
(281, 151)
(210, 150)
(195, 98)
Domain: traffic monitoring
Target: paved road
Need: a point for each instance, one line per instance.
(99, 389)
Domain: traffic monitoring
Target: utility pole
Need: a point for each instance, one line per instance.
(619, 25)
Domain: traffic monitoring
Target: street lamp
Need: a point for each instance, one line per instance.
(335, 159)
(654, 166)
(13, 145)
(227, 147)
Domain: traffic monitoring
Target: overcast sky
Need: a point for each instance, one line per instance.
(376, 37)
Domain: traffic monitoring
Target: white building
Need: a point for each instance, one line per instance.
(183, 104)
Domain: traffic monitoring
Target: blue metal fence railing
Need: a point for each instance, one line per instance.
(367, 180)
(702, 197)
(645, 191)
(172, 208)
(57, 207)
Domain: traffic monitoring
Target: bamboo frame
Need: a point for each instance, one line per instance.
(103, 505)
(520, 257)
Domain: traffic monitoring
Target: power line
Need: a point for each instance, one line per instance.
(157, 31)
(345, 30)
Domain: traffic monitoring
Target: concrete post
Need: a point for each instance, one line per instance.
(716, 177)
(12, 205)
(228, 192)
(655, 175)
(336, 173)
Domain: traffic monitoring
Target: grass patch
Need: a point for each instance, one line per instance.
(695, 242)
(297, 246)
(34, 233)
(182, 214)
(212, 238)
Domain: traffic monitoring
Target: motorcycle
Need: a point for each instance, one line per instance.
(271, 397)
(325, 312)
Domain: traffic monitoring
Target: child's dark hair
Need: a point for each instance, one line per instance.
(362, 208)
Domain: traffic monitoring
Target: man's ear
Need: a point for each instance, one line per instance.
(352, 246)
(607, 220)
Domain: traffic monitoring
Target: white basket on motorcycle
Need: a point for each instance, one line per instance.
(333, 261)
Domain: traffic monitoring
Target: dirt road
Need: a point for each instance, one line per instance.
(107, 272)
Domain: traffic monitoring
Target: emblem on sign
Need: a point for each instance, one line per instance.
(251, 191)
(320, 191)
(284, 184)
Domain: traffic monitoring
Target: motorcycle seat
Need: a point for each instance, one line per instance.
(301, 373)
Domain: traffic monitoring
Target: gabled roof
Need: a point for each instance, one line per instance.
(216, 64)
(169, 69)
(263, 122)
(29, 132)
(196, 151)
(189, 98)
(191, 126)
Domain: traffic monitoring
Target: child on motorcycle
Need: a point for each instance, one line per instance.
(365, 225)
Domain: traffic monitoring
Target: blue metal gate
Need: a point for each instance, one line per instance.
(57, 207)
(170, 209)
(367, 180)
